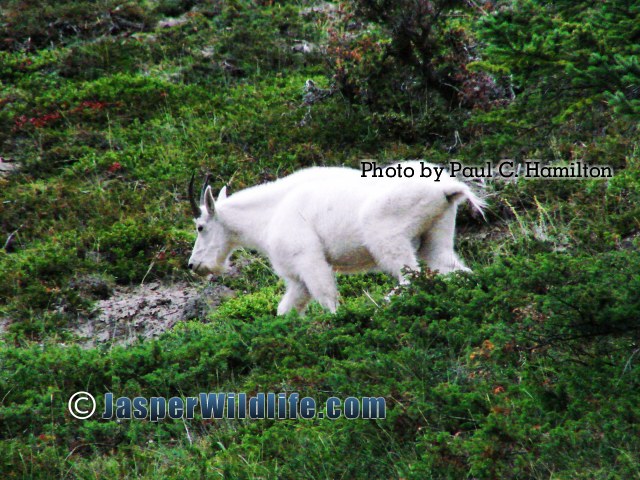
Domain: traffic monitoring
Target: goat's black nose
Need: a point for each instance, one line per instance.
(191, 266)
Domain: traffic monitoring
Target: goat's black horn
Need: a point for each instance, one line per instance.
(194, 208)
(204, 188)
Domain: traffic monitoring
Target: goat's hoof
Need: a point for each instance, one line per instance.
(394, 291)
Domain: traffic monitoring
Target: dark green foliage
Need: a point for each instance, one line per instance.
(568, 63)
(406, 64)
(446, 354)
(34, 24)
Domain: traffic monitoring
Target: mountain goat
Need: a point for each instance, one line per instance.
(325, 219)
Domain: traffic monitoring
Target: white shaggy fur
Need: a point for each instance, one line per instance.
(325, 219)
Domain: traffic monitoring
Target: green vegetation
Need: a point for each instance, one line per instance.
(527, 368)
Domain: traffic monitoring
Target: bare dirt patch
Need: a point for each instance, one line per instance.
(146, 311)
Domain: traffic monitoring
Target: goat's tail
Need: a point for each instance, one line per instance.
(461, 191)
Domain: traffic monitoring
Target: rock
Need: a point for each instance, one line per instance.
(323, 8)
(173, 22)
(304, 47)
(93, 286)
(8, 165)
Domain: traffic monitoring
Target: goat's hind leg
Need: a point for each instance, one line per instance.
(321, 283)
(436, 248)
(296, 297)
(393, 255)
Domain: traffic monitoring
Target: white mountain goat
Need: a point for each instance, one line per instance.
(325, 219)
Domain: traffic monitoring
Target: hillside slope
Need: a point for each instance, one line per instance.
(527, 368)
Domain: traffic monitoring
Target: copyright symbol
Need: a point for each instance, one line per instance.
(76, 410)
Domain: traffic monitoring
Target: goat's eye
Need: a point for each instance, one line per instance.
(200, 228)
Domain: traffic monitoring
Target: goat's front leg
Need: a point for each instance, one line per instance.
(301, 258)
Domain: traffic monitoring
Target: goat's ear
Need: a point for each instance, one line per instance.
(209, 202)
(223, 193)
